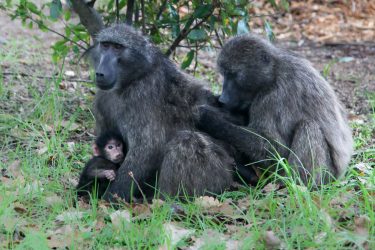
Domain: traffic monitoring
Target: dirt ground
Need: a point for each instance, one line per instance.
(352, 71)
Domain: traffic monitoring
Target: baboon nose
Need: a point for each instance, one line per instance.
(98, 74)
(223, 99)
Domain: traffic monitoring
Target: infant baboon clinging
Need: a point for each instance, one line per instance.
(109, 153)
(143, 95)
(291, 109)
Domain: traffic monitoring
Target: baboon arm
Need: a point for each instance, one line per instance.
(96, 166)
(139, 166)
(244, 139)
(97, 173)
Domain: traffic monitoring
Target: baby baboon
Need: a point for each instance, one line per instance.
(291, 109)
(145, 97)
(109, 153)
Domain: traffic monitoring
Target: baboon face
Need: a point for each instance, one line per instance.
(113, 151)
(116, 66)
(107, 66)
(247, 68)
(233, 96)
(110, 146)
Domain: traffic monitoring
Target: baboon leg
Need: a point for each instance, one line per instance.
(193, 165)
(310, 154)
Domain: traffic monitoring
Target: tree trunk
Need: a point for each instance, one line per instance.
(129, 12)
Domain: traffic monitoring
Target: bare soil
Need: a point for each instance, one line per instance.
(352, 72)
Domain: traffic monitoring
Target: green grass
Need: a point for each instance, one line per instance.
(39, 121)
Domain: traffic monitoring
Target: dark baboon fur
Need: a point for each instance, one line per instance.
(143, 95)
(102, 168)
(291, 110)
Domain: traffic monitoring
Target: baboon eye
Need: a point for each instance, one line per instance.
(118, 46)
(265, 58)
(105, 45)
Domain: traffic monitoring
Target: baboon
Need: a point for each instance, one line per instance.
(291, 110)
(109, 153)
(145, 97)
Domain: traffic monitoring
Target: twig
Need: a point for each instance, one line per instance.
(143, 16)
(43, 77)
(218, 38)
(88, 17)
(130, 173)
(196, 58)
(55, 32)
(117, 12)
(75, 33)
(266, 15)
(185, 31)
(343, 44)
(162, 8)
(136, 13)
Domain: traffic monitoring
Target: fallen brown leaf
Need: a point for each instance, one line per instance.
(156, 203)
(320, 237)
(207, 202)
(71, 126)
(271, 240)
(142, 210)
(19, 208)
(175, 233)
(244, 203)
(361, 225)
(271, 187)
(69, 216)
(120, 216)
(15, 169)
(327, 218)
(58, 242)
(214, 237)
(53, 200)
(100, 224)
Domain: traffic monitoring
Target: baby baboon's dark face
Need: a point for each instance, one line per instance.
(114, 151)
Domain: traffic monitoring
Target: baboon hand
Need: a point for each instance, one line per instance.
(109, 174)
(206, 116)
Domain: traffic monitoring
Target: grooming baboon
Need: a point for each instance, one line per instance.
(109, 153)
(292, 110)
(150, 102)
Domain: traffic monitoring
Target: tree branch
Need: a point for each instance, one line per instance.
(89, 17)
(57, 33)
(162, 8)
(44, 77)
(143, 16)
(129, 12)
(185, 31)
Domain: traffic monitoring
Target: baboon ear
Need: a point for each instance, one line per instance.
(95, 149)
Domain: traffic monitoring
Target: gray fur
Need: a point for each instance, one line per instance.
(289, 104)
(151, 112)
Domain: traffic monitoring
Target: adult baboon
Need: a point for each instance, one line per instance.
(150, 102)
(291, 110)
